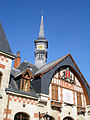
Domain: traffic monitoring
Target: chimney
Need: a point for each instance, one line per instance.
(17, 60)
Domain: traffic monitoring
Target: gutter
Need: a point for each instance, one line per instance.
(9, 55)
(19, 94)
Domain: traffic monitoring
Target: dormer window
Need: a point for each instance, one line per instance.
(0, 78)
(26, 85)
(25, 81)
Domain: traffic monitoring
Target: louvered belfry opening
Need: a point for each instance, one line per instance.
(21, 116)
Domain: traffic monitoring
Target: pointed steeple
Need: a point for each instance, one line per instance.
(41, 45)
(41, 32)
(4, 45)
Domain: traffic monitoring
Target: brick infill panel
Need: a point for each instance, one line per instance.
(23, 100)
(58, 117)
(6, 119)
(36, 115)
(2, 58)
(9, 111)
(2, 66)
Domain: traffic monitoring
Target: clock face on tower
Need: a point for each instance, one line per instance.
(40, 47)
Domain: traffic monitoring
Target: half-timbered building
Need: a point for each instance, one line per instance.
(41, 91)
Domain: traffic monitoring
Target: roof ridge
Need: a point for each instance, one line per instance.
(55, 61)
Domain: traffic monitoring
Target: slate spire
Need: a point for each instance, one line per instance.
(41, 32)
(4, 45)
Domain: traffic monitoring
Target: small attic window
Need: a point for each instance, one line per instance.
(0, 78)
(25, 82)
(25, 85)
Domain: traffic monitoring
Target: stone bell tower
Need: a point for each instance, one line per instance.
(41, 45)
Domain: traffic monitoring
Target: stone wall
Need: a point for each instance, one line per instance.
(5, 68)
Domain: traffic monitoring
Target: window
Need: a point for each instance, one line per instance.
(54, 92)
(74, 78)
(68, 76)
(68, 73)
(25, 85)
(25, 82)
(63, 74)
(21, 116)
(0, 79)
(88, 112)
(79, 99)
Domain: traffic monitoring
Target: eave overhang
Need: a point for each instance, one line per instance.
(7, 54)
(20, 93)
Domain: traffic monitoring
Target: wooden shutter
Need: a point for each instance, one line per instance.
(79, 99)
(74, 78)
(59, 74)
(26, 85)
(54, 92)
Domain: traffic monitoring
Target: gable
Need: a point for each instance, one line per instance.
(68, 61)
(68, 85)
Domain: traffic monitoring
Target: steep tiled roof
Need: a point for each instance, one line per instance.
(40, 83)
(4, 45)
(13, 86)
(24, 65)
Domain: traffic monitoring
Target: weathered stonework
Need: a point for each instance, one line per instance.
(7, 62)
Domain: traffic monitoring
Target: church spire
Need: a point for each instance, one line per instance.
(41, 45)
(41, 32)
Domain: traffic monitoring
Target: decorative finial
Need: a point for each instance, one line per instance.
(42, 12)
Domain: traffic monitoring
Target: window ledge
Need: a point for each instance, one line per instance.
(68, 104)
(55, 101)
(80, 107)
(56, 104)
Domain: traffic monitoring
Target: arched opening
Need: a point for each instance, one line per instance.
(68, 118)
(21, 116)
(52, 118)
(0, 78)
(49, 118)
